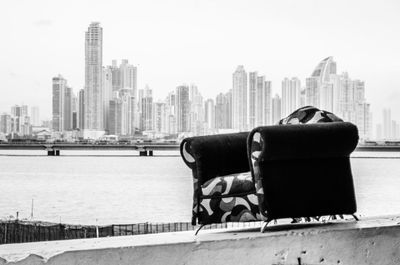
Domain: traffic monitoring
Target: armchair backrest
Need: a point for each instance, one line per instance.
(303, 170)
(216, 155)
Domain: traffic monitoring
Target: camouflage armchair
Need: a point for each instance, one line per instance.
(224, 190)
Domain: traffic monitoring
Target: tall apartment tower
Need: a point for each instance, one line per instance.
(321, 88)
(67, 112)
(276, 109)
(223, 116)
(35, 118)
(182, 106)
(239, 99)
(94, 123)
(5, 123)
(107, 95)
(209, 108)
(146, 108)
(290, 95)
(197, 111)
(81, 109)
(263, 102)
(387, 123)
(59, 87)
(253, 87)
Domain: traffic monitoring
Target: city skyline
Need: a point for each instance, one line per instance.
(169, 53)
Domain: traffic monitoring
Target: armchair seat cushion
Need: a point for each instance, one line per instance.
(243, 208)
(230, 185)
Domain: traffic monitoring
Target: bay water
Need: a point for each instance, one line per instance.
(120, 187)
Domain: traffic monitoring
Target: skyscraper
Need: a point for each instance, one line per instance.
(263, 102)
(196, 116)
(387, 123)
(239, 99)
(35, 118)
(290, 95)
(146, 108)
(320, 89)
(223, 116)
(209, 115)
(253, 88)
(5, 123)
(59, 87)
(159, 117)
(107, 95)
(182, 108)
(81, 109)
(67, 112)
(94, 120)
(276, 109)
(62, 105)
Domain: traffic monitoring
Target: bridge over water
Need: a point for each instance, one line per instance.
(55, 149)
(143, 149)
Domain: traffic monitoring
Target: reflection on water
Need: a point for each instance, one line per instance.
(107, 187)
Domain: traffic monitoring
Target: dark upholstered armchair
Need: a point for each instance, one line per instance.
(303, 170)
(281, 171)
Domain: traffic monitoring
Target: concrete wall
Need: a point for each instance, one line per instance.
(372, 241)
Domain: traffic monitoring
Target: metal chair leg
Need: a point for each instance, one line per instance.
(355, 217)
(198, 229)
(264, 226)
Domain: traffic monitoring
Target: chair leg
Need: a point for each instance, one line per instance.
(355, 217)
(264, 226)
(198, 229)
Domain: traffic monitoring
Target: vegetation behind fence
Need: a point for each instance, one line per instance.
(18, 231)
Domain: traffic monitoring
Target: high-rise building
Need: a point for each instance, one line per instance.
(387, 123)
(20, 121)
(94, 102)
(170, 106)
(59, 87)
(290, 95)
(81, 109)
(107, 95)
(253, 88)
(209, 115)
(182, 106)
(146, 109)
(67, 112)
(197, 116)
(35, 118)
(223, 111)
(5, 123)
(115, 120)
(62, 105)
(124, 76)
(320, 90)
(160, 117)
(276, 109)
(263, 102)
(239, 99)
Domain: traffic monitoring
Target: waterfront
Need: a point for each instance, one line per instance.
(106, 187)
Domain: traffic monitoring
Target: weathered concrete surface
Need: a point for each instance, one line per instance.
(372, 241)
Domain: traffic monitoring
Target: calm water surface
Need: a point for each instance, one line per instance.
(119, 187)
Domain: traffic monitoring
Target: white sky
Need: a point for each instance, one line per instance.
(201, 42)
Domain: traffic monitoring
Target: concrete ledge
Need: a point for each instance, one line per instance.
(370, 241)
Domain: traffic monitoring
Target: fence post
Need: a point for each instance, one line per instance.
(5, 233)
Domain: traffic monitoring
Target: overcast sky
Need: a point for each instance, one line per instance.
(201, 42)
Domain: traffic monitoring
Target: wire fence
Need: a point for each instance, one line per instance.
(18, 231)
